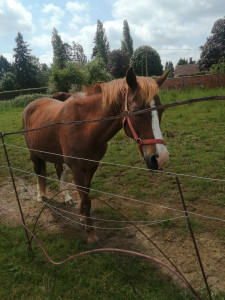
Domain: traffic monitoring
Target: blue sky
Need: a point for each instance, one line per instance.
(175, 28)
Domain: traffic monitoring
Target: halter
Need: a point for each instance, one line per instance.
(137, 139)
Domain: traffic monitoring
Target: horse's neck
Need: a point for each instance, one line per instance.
(92, 108)
(107, 129)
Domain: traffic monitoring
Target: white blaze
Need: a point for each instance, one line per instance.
(160, 148)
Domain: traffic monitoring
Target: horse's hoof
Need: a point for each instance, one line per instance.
(70, 202)
(95, 245)
(41, 199)
(93, 240)
(82, 224)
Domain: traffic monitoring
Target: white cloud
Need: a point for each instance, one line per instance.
(54, 17)
(166, 24)
(46, 58)
(9, 57)
(114, 33)
(170, 53)
(14, 17)
(42, 41)
(77, 14)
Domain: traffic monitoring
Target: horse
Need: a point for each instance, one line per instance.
(62, 96)
(82, 145)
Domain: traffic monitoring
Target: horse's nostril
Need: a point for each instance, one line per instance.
(152, 162)
(154, 158)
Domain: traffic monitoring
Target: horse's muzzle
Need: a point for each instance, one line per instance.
(151, 162)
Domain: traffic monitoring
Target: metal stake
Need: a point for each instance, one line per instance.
(193, 238)
(14, 186)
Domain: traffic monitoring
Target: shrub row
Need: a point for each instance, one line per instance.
(12, 94)
(24, 100)
(21, 101)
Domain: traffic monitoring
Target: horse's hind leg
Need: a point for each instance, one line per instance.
(40, 170)
(60, 169)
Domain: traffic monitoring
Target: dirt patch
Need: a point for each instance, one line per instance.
(178, 247)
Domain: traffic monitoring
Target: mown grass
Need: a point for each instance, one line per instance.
(195, 138)
(26, 275)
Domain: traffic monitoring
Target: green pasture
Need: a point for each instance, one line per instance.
(195, 139)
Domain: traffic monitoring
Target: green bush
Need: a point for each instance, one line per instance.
(64, 79)
(24, 100)
(94, 72)
(218, 68)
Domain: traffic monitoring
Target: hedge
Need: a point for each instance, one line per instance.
(12, 94)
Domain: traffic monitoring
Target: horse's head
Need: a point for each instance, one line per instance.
(145, 127)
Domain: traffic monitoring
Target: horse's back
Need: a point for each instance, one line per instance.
(40, 111)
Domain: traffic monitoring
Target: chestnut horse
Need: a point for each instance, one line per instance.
(66, 143)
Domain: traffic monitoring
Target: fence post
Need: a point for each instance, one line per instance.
(193, 238)
(14, 186)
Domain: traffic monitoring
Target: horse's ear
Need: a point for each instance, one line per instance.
(131, 78)
(160, 80)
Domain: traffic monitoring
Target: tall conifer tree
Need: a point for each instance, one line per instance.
(127, 43)
(59, 50)
(24, 68)
(101, 47)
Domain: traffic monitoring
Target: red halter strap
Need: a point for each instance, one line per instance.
(138, 140)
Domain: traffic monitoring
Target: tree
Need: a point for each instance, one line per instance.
(214, 48)
(218, 68)
(118, 63)
(127, 43)
(60, 50)
(65, 79)
(146, 61)
(64, 52)
(169, 66)
(68, 52)
(101, 47)
(45, 73)
(182, 61)
(94, 71)
(5, 66)
(78, 54)
(25, 65)
(8, 82)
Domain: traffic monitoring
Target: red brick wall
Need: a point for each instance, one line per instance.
(203, 81)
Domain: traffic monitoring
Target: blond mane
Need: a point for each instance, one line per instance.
(148, 88)
(114, 92)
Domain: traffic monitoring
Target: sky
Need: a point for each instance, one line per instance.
(174, 28)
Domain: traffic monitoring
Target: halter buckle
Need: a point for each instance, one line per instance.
(139, 141)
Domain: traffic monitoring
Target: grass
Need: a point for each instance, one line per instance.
(194, 135)
(99, 276)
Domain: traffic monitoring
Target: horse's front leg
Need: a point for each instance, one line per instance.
(82, 178)
(60, 171)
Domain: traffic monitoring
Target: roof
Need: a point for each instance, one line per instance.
(186, 70)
